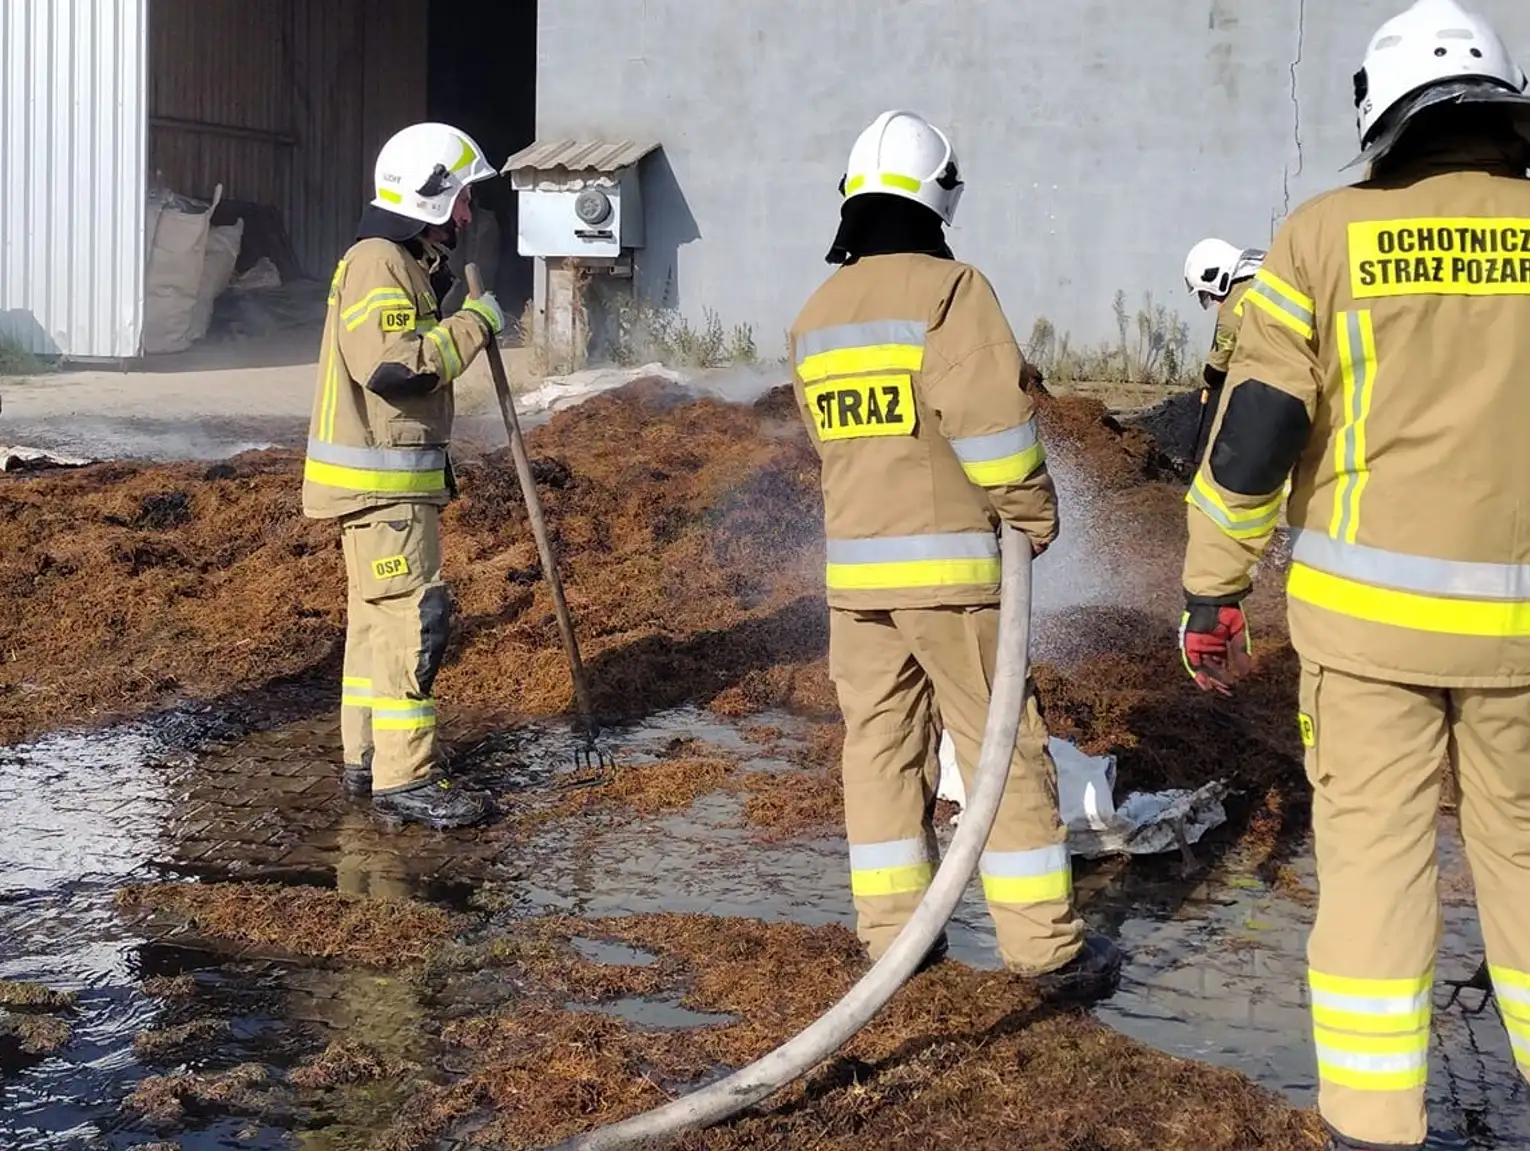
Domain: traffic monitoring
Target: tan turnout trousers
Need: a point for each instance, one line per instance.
(1374, 751)
(895, 671)
(397, 619)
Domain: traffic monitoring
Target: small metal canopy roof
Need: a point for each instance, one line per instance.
(606, 157)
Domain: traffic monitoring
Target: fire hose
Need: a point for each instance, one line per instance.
(836, 1027)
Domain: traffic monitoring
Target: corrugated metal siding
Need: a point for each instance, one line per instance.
(305, 92)
(220, 98)
(72, 175)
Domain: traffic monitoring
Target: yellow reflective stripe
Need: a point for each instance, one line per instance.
(855, 361)
(334, 283)
(1027, 889)
(1405, 1044)
(466, 158)
(1370, 1006)
(451, 359)
(882, 881)
(1010, 470)
(356, 691)
(1042, 875)
(1406, 987)
(1357, 365)
(1000, 458)
(912, 574)
(1507, 977)
(886, 179)
(1513, 990)
(412, 723)
(1239, 523)
(1373, 1072)
(374, 301)
(403, 714)
(366, 480)
(1436, 614)
(1283, 302)
(327, 398)
(892, 867)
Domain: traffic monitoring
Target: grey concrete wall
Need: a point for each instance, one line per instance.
(1099, 139)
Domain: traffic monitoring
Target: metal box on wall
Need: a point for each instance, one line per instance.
(579, 199)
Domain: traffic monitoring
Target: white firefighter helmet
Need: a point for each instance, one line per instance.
(1214, 266)
(903, 154)
(1434, 53)
(423, 168)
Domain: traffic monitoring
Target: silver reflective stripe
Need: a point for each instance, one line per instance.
(1372, 1064)
(1289, 307)
(893, 853)
(998, 446)
(897, 549)
(1511, 994)
(1024, 864)
(859, 336)
(1256, 523)
(1379, 1006)
(378, 459)
(1349, 436)
(415, 711)
(1422, 574)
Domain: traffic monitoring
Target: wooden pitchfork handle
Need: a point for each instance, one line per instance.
(538, 523)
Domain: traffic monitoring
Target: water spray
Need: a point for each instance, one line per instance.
(836, 1027)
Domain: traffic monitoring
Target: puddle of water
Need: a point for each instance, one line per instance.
(1222, 978)
(652, 1014)
(1215, 972)
(613, 954)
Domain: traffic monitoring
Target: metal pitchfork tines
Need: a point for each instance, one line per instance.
(590, 755)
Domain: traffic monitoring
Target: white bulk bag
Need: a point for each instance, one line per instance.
(175, 273)
(217, 270)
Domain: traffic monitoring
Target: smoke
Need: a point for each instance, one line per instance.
(744, 384)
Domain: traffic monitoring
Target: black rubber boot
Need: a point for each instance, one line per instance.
(437, 803)
(1089, 976)
(936, 954)
(358, 777)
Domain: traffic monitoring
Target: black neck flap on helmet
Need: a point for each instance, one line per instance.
(1468, 91)
(881, 224)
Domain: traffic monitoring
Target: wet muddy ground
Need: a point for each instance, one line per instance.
(443, 944)
(256, 963)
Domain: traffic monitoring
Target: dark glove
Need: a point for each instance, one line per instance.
(1214, 641)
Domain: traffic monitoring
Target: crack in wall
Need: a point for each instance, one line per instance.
(1296, 115)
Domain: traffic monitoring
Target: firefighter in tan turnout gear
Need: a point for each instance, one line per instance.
(909, 379)
(377, 463)
(1218, 275)
(1385, 354)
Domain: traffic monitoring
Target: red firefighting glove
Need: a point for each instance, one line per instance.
(1214, 642)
